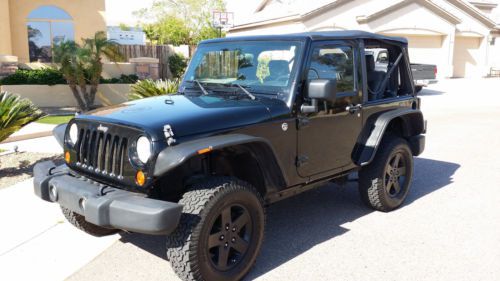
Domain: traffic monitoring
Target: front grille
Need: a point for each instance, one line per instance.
(101, 152)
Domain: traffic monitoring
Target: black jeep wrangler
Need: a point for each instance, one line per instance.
(256, 120)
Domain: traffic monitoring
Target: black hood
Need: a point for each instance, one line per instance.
(187, 115)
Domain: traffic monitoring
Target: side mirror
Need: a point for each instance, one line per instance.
(320, 90)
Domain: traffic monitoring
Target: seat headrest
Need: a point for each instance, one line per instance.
(279, 66)
(370, 63)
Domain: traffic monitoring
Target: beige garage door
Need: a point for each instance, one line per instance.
(466, 58)
(427, 50)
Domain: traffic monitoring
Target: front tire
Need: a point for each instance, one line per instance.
(79, 222)
(220, 232)
(385, 182)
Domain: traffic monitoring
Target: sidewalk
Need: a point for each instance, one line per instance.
(31, 131)
(37, 243)
(46, 144)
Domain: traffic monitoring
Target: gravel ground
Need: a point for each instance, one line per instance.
(16, 167)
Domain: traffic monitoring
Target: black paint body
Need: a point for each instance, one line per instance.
(294, 150)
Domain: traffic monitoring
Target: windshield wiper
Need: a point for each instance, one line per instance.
(252, 97)
(199, 85)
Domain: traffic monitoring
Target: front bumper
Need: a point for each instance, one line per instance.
(425, 82)
(103, 205)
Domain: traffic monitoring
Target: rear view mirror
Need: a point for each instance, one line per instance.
(320, 90)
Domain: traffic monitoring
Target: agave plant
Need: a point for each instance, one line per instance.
(15, 112)
(149, 88)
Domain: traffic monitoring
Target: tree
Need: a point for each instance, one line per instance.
(170, 30)
(192, 16)
(124, 27)
(82, 65)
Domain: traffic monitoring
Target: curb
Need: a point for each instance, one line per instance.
(28, 136)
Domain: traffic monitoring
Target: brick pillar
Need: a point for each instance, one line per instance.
(8, 65)
(146, 68)
(5, 40)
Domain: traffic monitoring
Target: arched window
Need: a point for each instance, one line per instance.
(48, 26)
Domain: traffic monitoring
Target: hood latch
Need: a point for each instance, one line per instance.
(169, 134)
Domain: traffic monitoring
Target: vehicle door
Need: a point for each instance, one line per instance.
(326, 138)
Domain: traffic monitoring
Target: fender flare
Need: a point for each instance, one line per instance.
(173, 156)
(59, 131)
(413, 124)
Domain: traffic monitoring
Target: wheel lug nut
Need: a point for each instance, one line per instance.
(226, 245)
(233, 240)
(234, 229)
(222, 237)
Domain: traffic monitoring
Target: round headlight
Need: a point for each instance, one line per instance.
(143, 149)
(73, 133)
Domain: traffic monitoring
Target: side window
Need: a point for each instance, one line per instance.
(382, 57)
(329, 62)
(381, 62)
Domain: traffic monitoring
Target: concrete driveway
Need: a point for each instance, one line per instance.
(448, 229)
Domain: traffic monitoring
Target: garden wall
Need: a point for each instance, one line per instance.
(61, 96)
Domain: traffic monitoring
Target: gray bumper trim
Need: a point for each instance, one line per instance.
(104, 205)
(425, 82)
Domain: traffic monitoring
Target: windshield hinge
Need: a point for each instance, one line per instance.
(301, 160)
(302, 122)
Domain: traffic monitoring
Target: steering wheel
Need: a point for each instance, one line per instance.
(315, 72)
(283, 78)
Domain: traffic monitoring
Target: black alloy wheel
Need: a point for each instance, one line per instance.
(395, 174)
(229, 238)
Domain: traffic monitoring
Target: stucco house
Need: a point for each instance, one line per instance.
(29, 28)
(461, 37)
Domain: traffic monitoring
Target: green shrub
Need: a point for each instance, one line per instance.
(124, 79)
(15, 112)
(50, 76)
(177, 65)
(44, 76)
(149, 88)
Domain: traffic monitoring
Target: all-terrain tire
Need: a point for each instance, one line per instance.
(205, 203)
(384, 185)
(79, 222)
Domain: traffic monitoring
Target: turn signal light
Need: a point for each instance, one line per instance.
(140, 178)
(205, 150)
(67, 157)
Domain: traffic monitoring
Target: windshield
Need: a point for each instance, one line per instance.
(261, 67)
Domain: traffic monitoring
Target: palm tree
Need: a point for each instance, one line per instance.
(82, 65)
(15, 112)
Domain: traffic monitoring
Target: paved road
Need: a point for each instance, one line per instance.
(449, 228)
(36, 243)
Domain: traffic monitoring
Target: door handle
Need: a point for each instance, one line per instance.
(354, 108)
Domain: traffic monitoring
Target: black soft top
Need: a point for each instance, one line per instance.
(322, 35)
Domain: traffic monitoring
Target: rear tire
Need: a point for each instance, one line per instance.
(385, 182)
(79, 222)
(220, 231)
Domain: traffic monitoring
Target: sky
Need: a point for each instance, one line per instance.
(120, 11)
